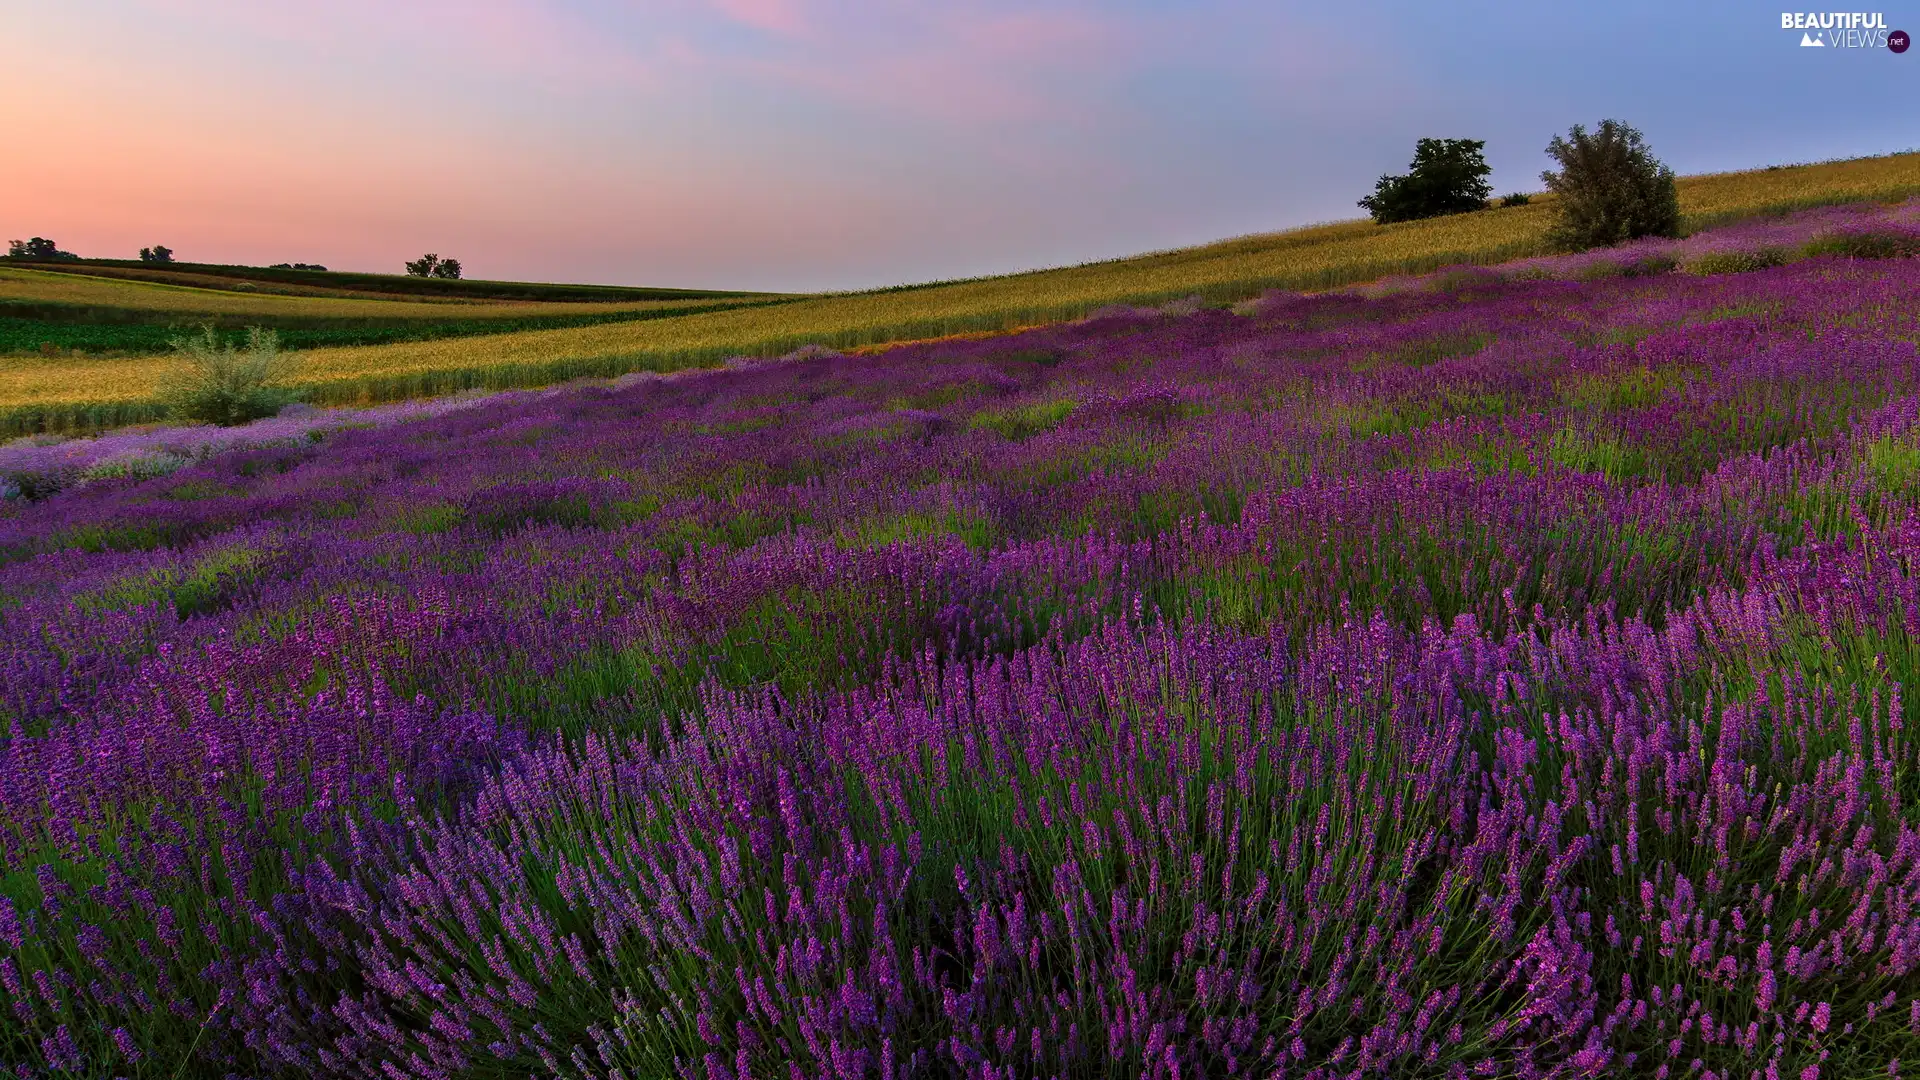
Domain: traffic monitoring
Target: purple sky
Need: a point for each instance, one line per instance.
(799, 144)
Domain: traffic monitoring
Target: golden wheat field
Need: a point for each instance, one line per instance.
(97, 290)
(1322, 256)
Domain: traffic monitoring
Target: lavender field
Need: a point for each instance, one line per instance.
(1501, 673)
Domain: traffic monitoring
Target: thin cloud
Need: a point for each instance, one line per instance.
(967, 64)
(514, 39)
(773, 16)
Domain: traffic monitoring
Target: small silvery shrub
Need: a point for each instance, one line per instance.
(220, 383)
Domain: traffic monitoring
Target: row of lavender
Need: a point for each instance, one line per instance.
(1490, 678)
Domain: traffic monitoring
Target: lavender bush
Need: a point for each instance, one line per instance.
(1502, 674)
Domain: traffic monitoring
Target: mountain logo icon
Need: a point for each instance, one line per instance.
(1808, 41)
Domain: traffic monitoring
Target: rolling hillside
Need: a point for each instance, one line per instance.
(386, 349)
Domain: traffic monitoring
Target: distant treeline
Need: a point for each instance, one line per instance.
(397, 284)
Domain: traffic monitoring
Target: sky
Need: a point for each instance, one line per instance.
(801, 145)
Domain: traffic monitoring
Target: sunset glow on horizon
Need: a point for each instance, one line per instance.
(799, 145)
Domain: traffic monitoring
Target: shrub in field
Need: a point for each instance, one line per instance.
(1516, 199)
(1449, 176)
(1611, 188)
(224, 384)
(1736, 262)
(1865, 244)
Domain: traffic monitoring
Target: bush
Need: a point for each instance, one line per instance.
(1610, 187)
(1515, 199)
(1448, 177)
(1864, 244)
(222, 384)
(1736, 262)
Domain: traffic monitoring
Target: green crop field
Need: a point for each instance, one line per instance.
(26, 284)
(65, 392)
(53, 309)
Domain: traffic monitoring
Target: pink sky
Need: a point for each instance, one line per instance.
(792, 144)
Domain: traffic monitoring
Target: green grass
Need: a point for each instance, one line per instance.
(1026, 421)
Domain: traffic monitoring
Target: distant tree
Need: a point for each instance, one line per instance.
(1610, 188)
(1448, 176)
(308, 266)
(433, 266)
(158, 253)
(37, 248)
(281, 266)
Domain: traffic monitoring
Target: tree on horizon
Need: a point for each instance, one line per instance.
(1448, 176)
(433, 266)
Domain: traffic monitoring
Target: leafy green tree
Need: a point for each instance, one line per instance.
(1610, 188)
(433, 266)
(37, 248)
(158, 253)
(1448, 176)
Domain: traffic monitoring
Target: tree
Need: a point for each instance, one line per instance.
(158, 253)
(1449, 176)
(37, 248)
(1610, 188)
(433, 266)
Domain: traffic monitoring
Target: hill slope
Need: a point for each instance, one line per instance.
(62, 393)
